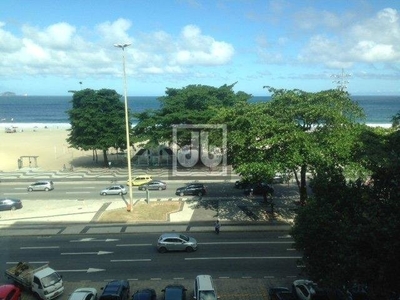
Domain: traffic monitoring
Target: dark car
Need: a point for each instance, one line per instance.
(10, 292)
(10, 204)
(155, 185)
(259, 189)
(116, 290)
(145, 294)
(174, 292)
(193, 189)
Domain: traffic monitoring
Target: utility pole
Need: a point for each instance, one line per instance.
(341, 80)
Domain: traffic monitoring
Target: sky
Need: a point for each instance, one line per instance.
(50, 47)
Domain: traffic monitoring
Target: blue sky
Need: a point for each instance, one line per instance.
(48, 47)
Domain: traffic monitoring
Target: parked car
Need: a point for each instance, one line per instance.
(84, 294)
(139, 180)
(194, 189)
(259, 189)
(10, 292)
(304, 289)
(44, 185)
(281, 293)
(116, 290)
(153, 185)
(174, 292)
(10, 204)
(145, 294)
(114, 190)
(204, 288)
(176, 242)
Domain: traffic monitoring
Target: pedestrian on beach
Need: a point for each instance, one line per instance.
(217, 226)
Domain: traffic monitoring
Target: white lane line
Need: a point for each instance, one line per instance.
(133, 245)
(244, 257)
(42, 247)
(29, 262)
(130, 260)
(78, 192)
(243, 243)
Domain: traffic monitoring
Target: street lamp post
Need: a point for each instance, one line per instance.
(128, 144)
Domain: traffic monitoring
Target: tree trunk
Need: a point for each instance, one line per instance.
(105, 158)
(303, 185)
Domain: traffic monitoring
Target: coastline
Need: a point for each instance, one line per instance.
(43, 146)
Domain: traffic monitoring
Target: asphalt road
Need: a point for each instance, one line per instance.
(88, 189)
(134, 256)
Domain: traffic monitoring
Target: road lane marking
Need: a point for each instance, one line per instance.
(243, 257)
(77, 192)
(130, 260)
(133, 245)
(89, 270)
(86, 253)
(243, 243)
(39, 247)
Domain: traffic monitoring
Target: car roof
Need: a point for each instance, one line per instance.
(82, 293)
(171, 234)
(6, 288)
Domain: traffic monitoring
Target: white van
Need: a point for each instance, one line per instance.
(204, 288)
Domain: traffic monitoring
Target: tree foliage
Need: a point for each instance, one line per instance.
(194, 104)
(296, 132)
(97, 121)
(348, 231)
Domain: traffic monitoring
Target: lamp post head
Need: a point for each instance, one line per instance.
(122, 46)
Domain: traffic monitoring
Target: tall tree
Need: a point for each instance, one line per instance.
(194, 104)
(97, 121)
(348, 232)
(296, 132)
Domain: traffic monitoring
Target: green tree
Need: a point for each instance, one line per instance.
(194, 104)
(348, 231)
(97, 121)
(296, 132)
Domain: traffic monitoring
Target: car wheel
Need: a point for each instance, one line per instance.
(189, 249)
(46, 189)
(181, 194)
(13, 208)
(200, 194)
(30, 189)
(104, 193)
(162, 250)
(120, 193)
(160, 188)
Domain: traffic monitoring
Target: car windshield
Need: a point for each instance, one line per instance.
(50, 279)
(184, 237)
(207, 295)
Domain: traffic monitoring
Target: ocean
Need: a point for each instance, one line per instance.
(51, 111)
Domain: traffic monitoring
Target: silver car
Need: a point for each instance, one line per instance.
(84, 294)
(176, 242)
(45, 185)
(114, 190)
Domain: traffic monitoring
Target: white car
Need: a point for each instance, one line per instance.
(84, 294)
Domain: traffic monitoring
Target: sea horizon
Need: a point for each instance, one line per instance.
(51, 111)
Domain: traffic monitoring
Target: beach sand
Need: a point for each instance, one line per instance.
(48, 144)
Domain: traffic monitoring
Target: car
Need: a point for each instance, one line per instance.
(145, 294)
(193, 189)
(281, 293)
(153, 185)
(114, 190)
(176, 242)
(10, 292)
(84, 294)
(45, 185)
(139, 180)
(10, 204)
(204, 288)
(304, 289)
(116, 290)
(174, 292)
(259, 189)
